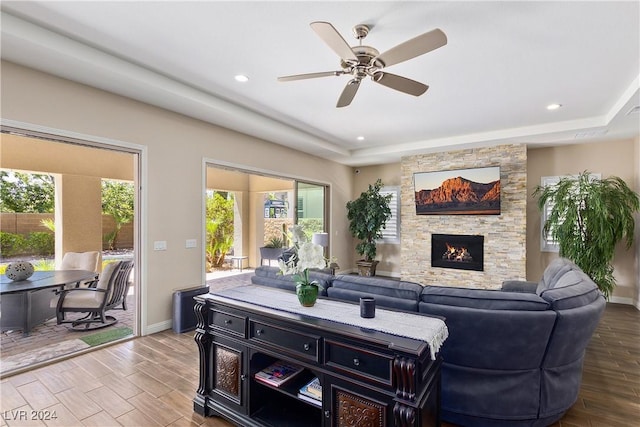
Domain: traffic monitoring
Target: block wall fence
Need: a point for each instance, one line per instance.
(25, 223)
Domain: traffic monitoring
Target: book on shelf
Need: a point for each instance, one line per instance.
(310, 399)
(278, 373)
(312, 389)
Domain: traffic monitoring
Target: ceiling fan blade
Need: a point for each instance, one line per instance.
(348, 93)
(309, 76)
(334, 40)
(400, 83)
(411, 48)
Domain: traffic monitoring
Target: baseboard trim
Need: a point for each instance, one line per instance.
(157, 327)
(623, 300)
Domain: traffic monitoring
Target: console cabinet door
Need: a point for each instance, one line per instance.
(229, 374)
(353, 406)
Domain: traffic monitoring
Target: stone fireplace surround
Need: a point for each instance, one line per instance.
(504, 234)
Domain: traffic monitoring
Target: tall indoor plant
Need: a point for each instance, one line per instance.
(367, 217)
(588, 217)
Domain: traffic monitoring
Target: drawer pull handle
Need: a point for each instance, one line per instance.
(227, 322)
(356, 362)
(306, 347)
(259, 331)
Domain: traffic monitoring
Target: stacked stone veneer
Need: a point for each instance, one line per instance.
(504, 234)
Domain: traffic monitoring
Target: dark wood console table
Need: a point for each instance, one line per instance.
(368, 377)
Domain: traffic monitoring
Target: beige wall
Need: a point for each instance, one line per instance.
(619, 158)
(175, 148)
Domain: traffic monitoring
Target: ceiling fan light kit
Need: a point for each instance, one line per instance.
(365, 61)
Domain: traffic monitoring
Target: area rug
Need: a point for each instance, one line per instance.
(107, 336)
(42, 354)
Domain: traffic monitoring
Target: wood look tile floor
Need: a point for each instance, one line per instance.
(151, 381)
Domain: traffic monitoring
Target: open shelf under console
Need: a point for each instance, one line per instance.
(368, 377)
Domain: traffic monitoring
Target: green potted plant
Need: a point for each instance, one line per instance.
(305, 256)
(588, 218)
(367, 216)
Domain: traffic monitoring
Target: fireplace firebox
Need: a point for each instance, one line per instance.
(459, 251)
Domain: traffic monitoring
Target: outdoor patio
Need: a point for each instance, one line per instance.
(50, 341)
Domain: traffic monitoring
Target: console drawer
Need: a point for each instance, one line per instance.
(356, 360)
(303, 345)
(228, 322)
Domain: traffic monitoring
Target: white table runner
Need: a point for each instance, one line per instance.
(409, 325)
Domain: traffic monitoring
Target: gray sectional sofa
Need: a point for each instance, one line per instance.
(513, 357)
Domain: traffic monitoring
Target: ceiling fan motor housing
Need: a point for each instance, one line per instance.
(365, 55)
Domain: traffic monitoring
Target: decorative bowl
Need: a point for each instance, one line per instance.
(19, 270)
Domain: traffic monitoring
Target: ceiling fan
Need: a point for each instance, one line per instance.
(365, 61)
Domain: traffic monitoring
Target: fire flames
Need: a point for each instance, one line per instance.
(460, 254)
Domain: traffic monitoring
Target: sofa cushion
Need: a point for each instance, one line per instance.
(483, 299)
(519, 286)
(382, 301)
(478, 397)
(573, 289)
(555, 270)
(379, 286)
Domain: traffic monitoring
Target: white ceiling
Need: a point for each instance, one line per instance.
(504, 62)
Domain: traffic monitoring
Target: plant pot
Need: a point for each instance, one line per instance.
(270, 253)
(367, 268)
(307, 294)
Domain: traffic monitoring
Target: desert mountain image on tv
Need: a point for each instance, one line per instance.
(458, 192)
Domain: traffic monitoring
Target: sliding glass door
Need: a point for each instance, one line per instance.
(311, 209)
(264, 208)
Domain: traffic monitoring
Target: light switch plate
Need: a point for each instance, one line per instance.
(160, 245)
(191, 243)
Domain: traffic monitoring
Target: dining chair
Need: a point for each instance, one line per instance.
(89, 261)
(81, 261)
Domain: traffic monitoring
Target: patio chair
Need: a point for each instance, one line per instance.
(108, 292)
(89, 261)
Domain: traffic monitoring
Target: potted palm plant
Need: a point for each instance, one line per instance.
(588, 218)
(367, 216)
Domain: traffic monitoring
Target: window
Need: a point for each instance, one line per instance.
(547, 243)
(391, 234)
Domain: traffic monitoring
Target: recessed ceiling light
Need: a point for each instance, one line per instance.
(360, 138)
(241, 78)
(553, 106)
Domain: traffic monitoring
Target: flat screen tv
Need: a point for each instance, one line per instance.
(473, 191)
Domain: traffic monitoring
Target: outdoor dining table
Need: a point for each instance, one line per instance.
(26, 303)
